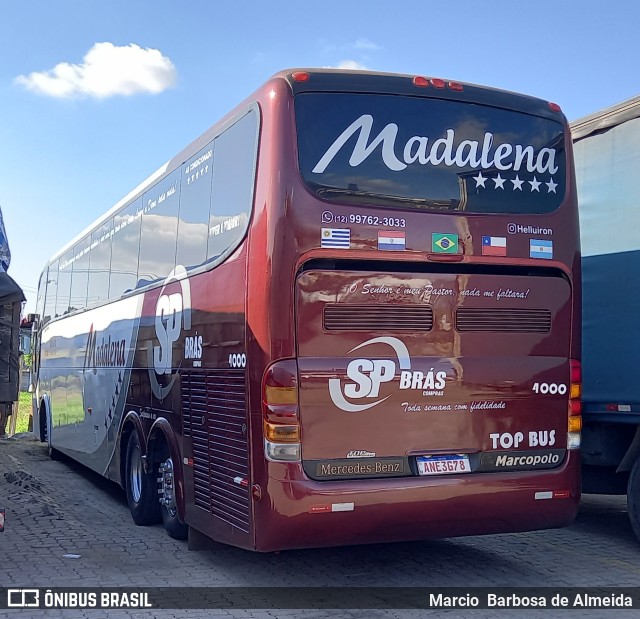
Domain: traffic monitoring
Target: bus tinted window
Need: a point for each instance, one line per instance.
(124, 253)
(195, 202)
(64, 284)
(233, 168)
(429, 153)
(159, 228)
(100, 264)
(42, 288)
(51, 282)
(80, 275)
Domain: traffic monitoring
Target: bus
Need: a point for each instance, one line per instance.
(348, 313)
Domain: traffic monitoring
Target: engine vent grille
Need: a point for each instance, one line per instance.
(214, 416)
(505, 320)
(371, 317)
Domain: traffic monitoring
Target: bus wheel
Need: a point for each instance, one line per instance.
(54, 454)
(42, 420)
(139, 486)
(169, 509)
(633, 498)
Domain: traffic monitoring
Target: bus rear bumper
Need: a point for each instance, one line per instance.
(300, 514)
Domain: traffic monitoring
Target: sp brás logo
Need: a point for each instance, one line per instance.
(366, 376)
(173, 314)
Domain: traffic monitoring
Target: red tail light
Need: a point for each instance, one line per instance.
(574, 428)
(280, 402)
(436, 82)
(575, 389)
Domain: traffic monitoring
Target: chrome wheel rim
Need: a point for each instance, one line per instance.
(136, 474)
(167, 486)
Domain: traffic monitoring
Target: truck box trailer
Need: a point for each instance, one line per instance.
(607, 157)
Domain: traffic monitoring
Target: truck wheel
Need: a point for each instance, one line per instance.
(633, 498)
(169, 509)
(141, 491)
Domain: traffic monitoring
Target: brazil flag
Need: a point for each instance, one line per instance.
(444, 243)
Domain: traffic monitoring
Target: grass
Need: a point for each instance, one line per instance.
(24, 412)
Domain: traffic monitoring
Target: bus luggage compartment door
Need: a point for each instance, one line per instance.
(431, 373)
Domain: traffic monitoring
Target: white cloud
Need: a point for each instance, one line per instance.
(351, 64)
(107, 70)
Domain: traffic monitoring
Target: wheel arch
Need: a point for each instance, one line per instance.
(44, 418)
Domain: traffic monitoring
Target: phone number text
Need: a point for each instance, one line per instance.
(367, 220)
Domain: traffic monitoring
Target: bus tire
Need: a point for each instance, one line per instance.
(139, 486)
(54, 454)
(42, 423)
(169, 511)
(633, 498)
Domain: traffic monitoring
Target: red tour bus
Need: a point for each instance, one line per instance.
(347, 313)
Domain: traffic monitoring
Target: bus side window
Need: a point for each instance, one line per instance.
(125, 248)
(233, 181)
(64, 284)
(159, 230)
(46, 304)
(80, 275)
(195, 202)
(100, 264)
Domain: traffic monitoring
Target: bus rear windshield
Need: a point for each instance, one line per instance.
(435, 154)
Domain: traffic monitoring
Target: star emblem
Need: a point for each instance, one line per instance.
(552, 186)
(535, 184)
(480, 180)
(499, 181)
(517, 183)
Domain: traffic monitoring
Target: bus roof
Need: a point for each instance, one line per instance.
(606, 119)
(343, 80)
(336, 80)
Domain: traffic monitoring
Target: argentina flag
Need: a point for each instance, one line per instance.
(539, 248)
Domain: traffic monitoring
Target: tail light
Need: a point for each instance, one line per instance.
(280, 410)
(575, 405)
(436, 82)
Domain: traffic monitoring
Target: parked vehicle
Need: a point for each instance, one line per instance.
(607, 157)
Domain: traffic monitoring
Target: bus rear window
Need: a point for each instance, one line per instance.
(434, 154)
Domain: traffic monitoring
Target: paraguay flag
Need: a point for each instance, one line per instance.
(494, 246)
(391, 240)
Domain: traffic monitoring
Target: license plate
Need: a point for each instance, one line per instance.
(443, 465)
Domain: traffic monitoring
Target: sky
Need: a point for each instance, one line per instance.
(95, 96)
